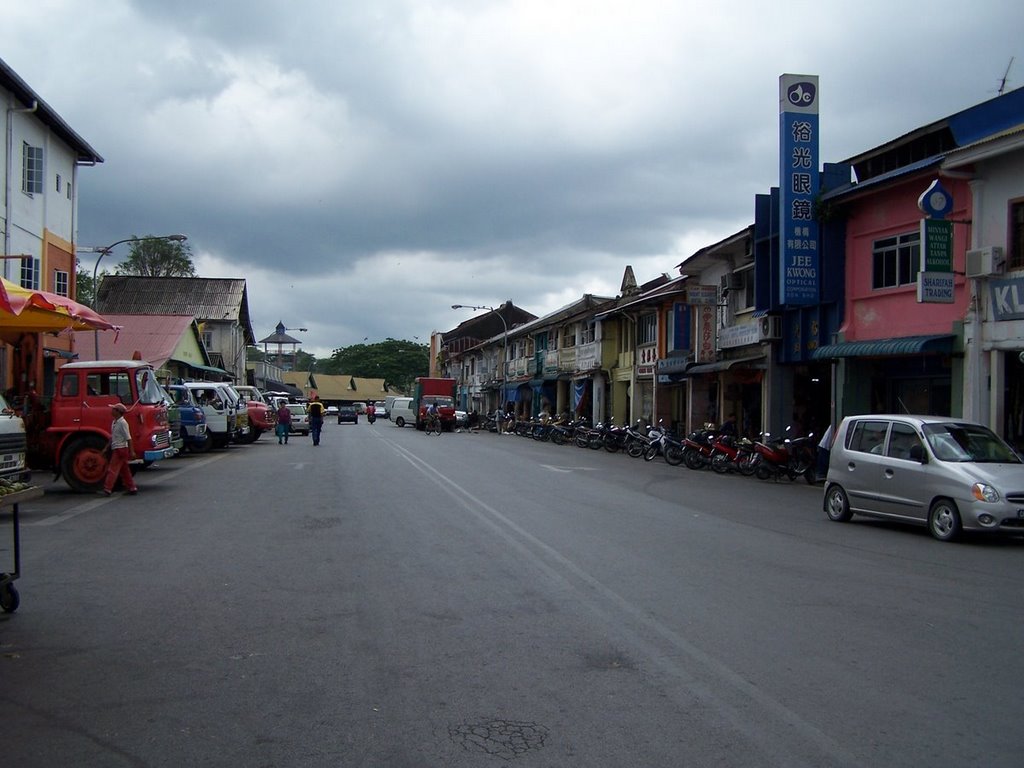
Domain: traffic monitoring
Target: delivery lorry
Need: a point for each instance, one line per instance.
(440, 392)
(70, 432)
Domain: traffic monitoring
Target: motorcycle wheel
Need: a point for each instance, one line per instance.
(635, 449)
(745, 464)
(764, 472)
(693, 459)
(720, 463)
(674, 455)
(581, 441)
(651, 453)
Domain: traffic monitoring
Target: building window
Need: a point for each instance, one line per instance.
(648, 329)
(58, 182)
(31, 169)
(61, 284)
(568, 334)
(30, 274)
(589, 334)
(1015, 258)
(896, 261)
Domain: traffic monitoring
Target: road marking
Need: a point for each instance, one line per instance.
(553, 468)
(703, 674)
(92, 504)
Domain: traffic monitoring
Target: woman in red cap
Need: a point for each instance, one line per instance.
(121, 453)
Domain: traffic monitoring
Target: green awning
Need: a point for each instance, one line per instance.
(908, 345)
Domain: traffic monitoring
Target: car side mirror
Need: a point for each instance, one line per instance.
(917, 454)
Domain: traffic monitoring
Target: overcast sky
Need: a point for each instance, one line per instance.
(366, 164)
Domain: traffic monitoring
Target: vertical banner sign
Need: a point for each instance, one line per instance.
(935, 282)
(798, 187)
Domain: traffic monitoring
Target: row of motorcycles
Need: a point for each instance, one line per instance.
(782, 457)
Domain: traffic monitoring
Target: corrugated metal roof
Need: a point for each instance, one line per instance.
(204, 298)
(154, 337)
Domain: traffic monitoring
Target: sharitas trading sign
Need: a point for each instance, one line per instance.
(798, 187)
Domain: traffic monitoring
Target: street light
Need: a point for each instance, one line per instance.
(504, 347)
(103, 252)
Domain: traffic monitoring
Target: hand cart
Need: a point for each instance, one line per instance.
(9, 599)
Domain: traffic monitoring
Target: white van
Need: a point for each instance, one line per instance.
(402, 412)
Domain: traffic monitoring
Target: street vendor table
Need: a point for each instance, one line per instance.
(9, 599)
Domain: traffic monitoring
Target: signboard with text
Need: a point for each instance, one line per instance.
(798, 188)
(935, 287)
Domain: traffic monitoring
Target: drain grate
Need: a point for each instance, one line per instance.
(507, 739)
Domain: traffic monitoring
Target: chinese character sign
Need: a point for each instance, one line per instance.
(798, 187)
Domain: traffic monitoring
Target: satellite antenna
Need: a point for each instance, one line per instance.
(1002, 83)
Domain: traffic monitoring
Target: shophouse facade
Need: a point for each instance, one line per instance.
(993, 390)
(559, 362)
(902, 348)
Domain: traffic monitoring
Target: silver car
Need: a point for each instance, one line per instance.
(949, 474)
(300, 419)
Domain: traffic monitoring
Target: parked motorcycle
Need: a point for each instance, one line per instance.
(636, 440)
(784, 457)
(733, 454)
(662, 442)
(698, 448)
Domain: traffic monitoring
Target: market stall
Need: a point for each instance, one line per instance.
(26, 315)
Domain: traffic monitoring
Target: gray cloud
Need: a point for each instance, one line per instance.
(366, 165)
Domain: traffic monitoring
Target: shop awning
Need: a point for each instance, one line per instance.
(908, 345)
(724, 365)
(206, 368)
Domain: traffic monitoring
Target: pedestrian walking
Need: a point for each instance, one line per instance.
(316, 419)
(284, 423)
(122, 453)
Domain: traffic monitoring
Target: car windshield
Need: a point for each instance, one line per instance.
(296, 408)
(968, 442)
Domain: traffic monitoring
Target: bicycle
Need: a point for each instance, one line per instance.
(433, 424)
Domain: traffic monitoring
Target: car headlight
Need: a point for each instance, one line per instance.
(985, 492)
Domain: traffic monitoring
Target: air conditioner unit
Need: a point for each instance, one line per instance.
(983, 262)
(769, 328)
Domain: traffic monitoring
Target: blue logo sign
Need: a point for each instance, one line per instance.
(801, 94)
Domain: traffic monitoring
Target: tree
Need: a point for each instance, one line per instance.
(84, 290)
(397, 362)
(158, 258)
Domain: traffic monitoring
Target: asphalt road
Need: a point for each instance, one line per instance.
(393, 599)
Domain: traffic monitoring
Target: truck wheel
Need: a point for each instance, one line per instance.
(399, 422)
(9, 598)
(83, 464)
(203, 447)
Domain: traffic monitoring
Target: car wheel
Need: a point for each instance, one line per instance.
(399, 422)
(837, 506)
(944, 520)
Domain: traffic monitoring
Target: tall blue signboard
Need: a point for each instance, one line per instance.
(799, 268)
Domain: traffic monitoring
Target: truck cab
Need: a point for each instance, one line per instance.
(73, 433)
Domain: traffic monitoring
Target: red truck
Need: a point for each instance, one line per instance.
(440, 391)
(262, 417)
(70, 433)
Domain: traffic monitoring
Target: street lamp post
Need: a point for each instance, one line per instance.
(103, 252)
(504, 347)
